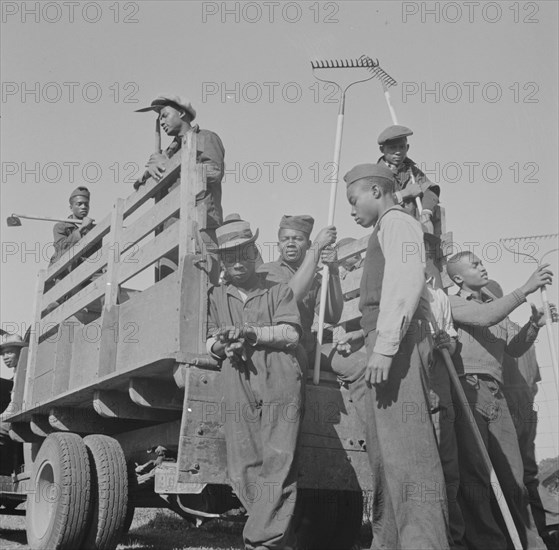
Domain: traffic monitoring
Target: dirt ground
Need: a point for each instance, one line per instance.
(152, 529)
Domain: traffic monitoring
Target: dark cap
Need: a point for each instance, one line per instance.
(300, 223)
(178, 102)
(80, 192)
(360, 171)
(394, 132)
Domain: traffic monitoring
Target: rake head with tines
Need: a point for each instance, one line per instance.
(377, 71)
(343, 79)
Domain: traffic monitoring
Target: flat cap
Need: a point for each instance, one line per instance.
(178, 102)
(368, 171)
(394, 132)
(80, 192)
(302, 223)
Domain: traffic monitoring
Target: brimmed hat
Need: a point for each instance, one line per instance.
(394, 132)
(178, 102)
(234, 232)
(11, 341)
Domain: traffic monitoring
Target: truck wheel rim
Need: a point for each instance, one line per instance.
(45, 499)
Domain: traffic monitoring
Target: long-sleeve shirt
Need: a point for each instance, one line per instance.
(403, 175)
(485, 332)
(211, 153)
(400, 239)
(65, 236)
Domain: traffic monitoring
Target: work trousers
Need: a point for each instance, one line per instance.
(409, 496)
(263, 409)
(443, 415)
(525, 418)
(485, 528)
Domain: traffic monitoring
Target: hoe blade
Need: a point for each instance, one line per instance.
(13, 221)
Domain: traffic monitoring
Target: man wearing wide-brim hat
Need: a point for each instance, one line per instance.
(253, 330)
(176, 115)
(10, 349)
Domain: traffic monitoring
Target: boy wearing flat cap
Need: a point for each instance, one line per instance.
(411, 182)
(67, 234)
(400, 441)
(297, 267)
(176, 115)
(253, 329)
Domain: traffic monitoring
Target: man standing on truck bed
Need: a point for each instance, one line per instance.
(253, 329)
(176, 115)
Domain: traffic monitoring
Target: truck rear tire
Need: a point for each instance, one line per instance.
(109, 492)
(58, 511)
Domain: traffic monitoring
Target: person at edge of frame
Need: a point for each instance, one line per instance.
(485, 334)
(10, 349)
(409, 497)
(520, 378)
(176, 114)
(253, 330)
(411, 182)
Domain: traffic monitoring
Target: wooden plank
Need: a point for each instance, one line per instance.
(148, 326)
(113, 260)
(40, 425)
(351, 283)
(114, 404)
(156, 215)
(86, 242)
(19, 381)
(67, 334)
(78, 301)
(109, 341)
(85, 355)
(158, 247)
(192, 317)
(161, 395)
(358, 246)
(77, 276)
(86, 421)
(189, 188)
(34, 342)
(151, 187)
(350, 311)
(21, 432)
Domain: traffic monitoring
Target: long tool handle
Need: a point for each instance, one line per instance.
(495, 485)
(550, 337)
(395, 121)
(157, 135)
(41, 218)
(331, 210)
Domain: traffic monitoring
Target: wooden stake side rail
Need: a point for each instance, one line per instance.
(69, 364)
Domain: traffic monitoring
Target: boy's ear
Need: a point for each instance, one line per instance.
(407, 147)
(457, 280)
(381, 148)
(376, 191)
